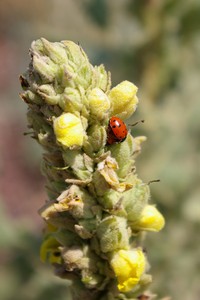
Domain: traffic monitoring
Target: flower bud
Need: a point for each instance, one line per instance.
(55, 51)
(101, 78)
(46, 69)
(113, 234)
(123, 99)
(30, 97)
(128, 266)
(99, 103)
(79, 61)
(109, 199)
(68, 130)
(134, 200)
(122, 152)
(48, 94)
(75, 53)
(70, 100)
(150, 219)
(81, 163)
(97, 137)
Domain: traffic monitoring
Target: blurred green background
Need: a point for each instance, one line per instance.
(156, 45)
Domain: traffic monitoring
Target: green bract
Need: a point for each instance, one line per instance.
(97, 206)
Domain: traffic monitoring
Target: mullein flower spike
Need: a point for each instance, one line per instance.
(97, 206)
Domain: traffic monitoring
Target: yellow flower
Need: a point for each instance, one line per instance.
(68, 130)
(128, 265)
(123, 99)
(49, 251)
(151, 219)
(99, 102)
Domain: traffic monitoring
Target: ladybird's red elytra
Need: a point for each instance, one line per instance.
(117, 131)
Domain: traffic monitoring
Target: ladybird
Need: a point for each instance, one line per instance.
(117, 131)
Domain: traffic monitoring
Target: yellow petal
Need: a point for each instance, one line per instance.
(151, 219)
(68, 130)
(99, 102)
(123, 99)
(49, 250)
(128, 265)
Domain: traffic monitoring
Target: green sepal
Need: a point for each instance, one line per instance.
(113, 234)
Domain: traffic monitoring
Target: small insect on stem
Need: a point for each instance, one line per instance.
(116, 131)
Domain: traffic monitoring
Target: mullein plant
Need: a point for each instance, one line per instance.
(97, 209)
